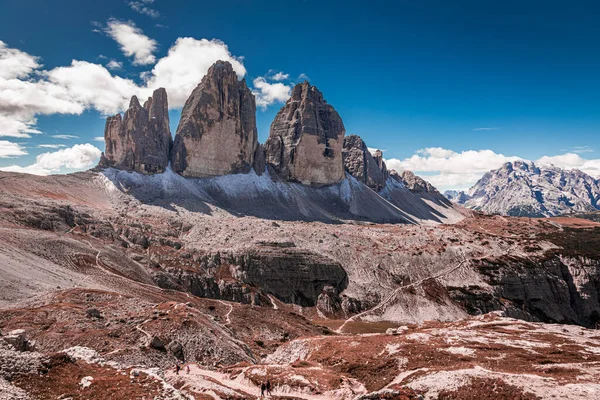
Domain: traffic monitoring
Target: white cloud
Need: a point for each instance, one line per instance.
(303, 77)
(83, 85)
(99, 139)
(186, 63)
(15, 127)
(79, 156)
(93, 86)
(280, 76)
(571, 161)
(485, 129)
(10, 149)
(582, 149)
(15, 63)
(448, 169)
(270, 93)
(142, 8)
(51, 146)
(113, 64)
(133, 42)
(65, 137)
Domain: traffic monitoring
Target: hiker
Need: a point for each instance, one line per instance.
(268, 387)
(177, 368)
(187, 369)
(263, 387)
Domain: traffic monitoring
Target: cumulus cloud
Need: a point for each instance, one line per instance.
(572, 161)
(79, 156)
(143, 7)
(12, 125)
(280, 76)
(447, 169)
(15, 63)
(89, 85)
(26, 92)
(132, 40)
(186, 63)
(10, 149)
(270, 93)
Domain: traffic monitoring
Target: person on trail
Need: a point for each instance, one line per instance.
(263, 387)
(187, 369)
(177, 368)
(268, 387)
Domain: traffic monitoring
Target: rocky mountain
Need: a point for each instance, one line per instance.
(217, 132)
(303, 261)
(522, 188)
(456, 196)
(306, 138)
(361, 164)
(140, 140)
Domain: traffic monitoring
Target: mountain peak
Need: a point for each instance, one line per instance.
(521, 188)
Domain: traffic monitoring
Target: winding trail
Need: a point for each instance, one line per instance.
(275, 307)
(392, 295)
(210, 381)
(228, 321)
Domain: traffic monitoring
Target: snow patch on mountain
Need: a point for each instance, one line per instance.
(521, 188)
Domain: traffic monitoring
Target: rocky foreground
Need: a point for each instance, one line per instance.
(113, 277)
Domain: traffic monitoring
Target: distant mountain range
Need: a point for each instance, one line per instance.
(521, 188)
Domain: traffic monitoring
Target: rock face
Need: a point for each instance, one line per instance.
(361, 164)
(140, 140)
(455, 196)
(413, 182)
(522, 188)
(306, 138)
(217, 132)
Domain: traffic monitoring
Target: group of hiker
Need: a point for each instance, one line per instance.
(178, 368)
(265, 386)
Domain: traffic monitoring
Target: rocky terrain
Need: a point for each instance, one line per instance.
(305, 262)
(523, 189)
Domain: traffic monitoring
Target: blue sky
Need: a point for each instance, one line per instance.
(435, 85)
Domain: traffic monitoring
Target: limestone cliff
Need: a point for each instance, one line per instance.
(217, 132)
(306, 137)
(361, 164)
(140, 140)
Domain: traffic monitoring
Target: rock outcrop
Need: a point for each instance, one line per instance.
(361, 164)
(140, 140)
(217, 132)
(415, 183)
(306, 137)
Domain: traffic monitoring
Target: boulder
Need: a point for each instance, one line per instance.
(93, 313)
(17, 339)
(157, 343)
(361, 164)
(306, 138)
(176, 349)
(217, 132)
(140, 140)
